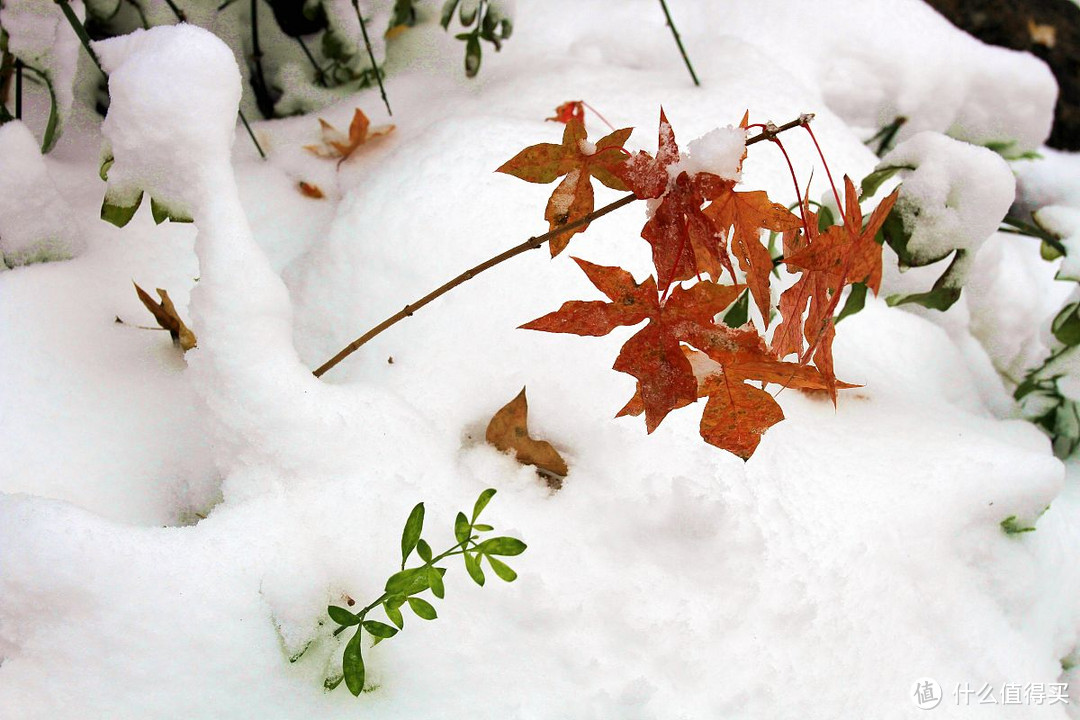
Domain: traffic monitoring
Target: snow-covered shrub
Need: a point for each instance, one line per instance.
(36, 223)
(953, 197)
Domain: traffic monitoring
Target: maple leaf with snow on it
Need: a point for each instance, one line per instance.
(654, 354)
(576, 160)
(336, 145)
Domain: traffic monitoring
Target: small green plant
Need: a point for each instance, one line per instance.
(1012, 526)
(403, 587)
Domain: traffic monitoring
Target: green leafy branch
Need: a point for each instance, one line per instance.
(403, 587)
(490, 25)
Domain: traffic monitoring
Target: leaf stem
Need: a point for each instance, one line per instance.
(530, 244)
(371, 56)
(80, 31)
(678, 41)
(176, 11)
(251, 133)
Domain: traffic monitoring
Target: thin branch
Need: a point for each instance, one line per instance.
(176, 11)
(251, 133)
(80, 31)
(320, 74)
(530, 244)
(678, 41)
(18, 88)
(371, 56)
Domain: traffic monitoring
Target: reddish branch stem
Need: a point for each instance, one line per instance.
(530, 244)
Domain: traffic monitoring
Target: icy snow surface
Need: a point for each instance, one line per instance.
(859, 550)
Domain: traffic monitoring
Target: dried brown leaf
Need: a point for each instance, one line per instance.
(509, 430)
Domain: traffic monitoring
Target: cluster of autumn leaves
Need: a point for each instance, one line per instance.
(700, 227)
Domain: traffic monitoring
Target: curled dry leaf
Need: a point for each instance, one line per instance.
(509, 430)
(336, 145)
(167, 317)
(310, 190)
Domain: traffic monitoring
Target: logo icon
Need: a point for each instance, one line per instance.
(926, 693)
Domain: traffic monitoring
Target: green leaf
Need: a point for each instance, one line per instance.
(161, 213)
(422, 608)
(943, 295)
(424, 550)
(434, 578)
(103, 171)
(825, 219)
(393, 611)
(379, 629)
(501, 546)
(482, 502)
(462, 528)
(472, 56)
(480, 527)
(1048, 252)
(407, 582)
(119, 215)
(501, 569)
(467, 15)
(473, 567)
(856, 301)
(739, 313)
(342, 616)
(1012, 527)
(872, 182)
(353, 665)
(411, 535)
(1066, 325)
(448, 13)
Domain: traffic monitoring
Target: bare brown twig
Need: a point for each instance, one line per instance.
(530, 244)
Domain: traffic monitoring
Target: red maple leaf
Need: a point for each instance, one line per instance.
(578, 160)
(569, 110)
(654, 354)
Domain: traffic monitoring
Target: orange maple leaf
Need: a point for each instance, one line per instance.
(746, 215)
(337, 145)
(578, 160)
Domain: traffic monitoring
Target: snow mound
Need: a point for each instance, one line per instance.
(36, 223)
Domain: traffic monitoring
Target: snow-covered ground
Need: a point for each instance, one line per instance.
(173, 527)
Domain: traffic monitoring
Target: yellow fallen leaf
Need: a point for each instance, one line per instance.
(167, 317)
(337, 145)
(509, 430)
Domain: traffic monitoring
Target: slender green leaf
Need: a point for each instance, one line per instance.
(501, 569)
(501, 546)
(161, 213)
(410, 536)
(482, 502)
(448, 13)
(462, 528)
(424, 550)
(434, 578)
(342, 616)
(407, 582)
(1066, 326)
(472, 565)
(394, 613)
(353, 665)
(422, 608)
(872, 182)
(480, 527)
(380, 629)
(856, 301)
(472, 56)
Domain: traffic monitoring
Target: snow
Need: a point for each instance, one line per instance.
(172, 527)
(40, 36)
(954, 198)
(36, 222)
(718, 151)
